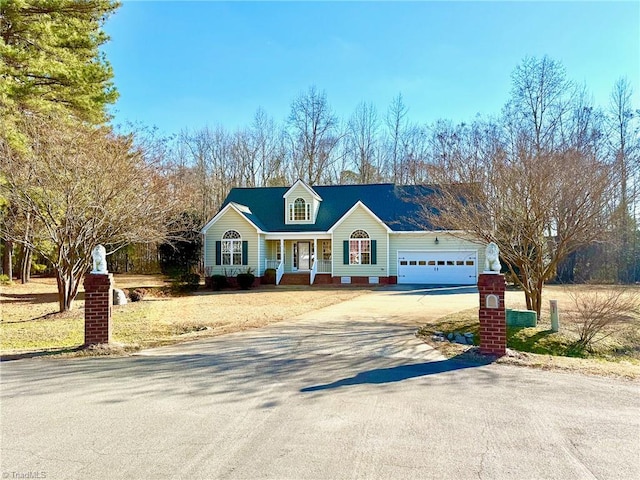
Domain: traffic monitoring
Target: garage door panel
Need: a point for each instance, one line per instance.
(437, 267)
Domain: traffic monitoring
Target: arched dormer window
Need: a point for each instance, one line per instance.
(231, 248)
(299, 210)
(359, 248)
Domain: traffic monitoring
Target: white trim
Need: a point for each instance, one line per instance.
(352, 209)
(235, 207)
(333, 257)
(296, 235)
(306, 187)
(204, 252)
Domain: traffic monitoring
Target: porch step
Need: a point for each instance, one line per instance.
(303, 278)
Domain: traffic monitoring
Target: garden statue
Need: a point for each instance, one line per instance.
(492, 261)
(99, 255)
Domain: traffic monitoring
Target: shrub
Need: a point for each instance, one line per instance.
(5, 280)
(218, 282)
(137, 294)
(270, 276)
(597, 314)
(191, 280)
(245, 280)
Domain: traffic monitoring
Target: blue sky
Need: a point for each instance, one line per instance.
(190, 64)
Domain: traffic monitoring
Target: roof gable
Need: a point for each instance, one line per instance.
(353, 209)
(300, 183)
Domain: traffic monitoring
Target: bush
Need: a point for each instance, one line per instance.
(137, 294)
(597, 314)
(218, 282)
(186, 282)
(245, 280)
(191, 280)
(270, 276)
(5, 280)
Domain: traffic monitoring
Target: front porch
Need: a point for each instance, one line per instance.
(299, 261)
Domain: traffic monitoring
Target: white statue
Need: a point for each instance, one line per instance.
(492, 261)
(99, 254)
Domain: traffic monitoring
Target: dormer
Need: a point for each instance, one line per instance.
(301, 204)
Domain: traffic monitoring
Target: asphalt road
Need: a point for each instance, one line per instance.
(343, 392)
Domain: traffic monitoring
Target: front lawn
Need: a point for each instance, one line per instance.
(29, 322)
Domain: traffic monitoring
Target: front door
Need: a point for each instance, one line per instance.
(304, 256)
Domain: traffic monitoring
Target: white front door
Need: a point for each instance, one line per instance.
(437, 268)
(304, 255)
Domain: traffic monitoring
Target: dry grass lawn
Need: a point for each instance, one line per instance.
(616, 355)
(30, 324)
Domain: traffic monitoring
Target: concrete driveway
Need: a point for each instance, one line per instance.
(343, 392)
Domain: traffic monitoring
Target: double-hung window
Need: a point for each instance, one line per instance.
(359, 248)
(231, 248)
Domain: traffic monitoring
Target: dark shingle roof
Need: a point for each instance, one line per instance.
(394, 205)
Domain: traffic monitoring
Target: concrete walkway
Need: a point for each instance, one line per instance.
(343, 392)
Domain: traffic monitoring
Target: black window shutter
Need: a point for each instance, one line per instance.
(245, 252)
(218, 252)
(345, 252)
(374, 252)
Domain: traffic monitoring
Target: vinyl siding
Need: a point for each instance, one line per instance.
(359, 219)
(231, 220)
(426, 241)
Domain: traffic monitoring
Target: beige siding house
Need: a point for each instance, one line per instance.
(337, 234)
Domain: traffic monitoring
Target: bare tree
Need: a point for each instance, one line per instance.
(520, 184)
(624, 146)
(268, 150)
(540, 98)
(361, 140)
(535, 212)
(313, 133)
(83, 186)
(396, 122)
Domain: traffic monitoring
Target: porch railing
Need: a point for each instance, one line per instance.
(279, 272)
(324, 266)
(271, 264)
(314, 270)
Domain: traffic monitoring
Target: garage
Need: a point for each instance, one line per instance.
(438, 267)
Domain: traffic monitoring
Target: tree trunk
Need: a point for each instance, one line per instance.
(537, 305)
(67, 290)
(7, 259)
(25, 264)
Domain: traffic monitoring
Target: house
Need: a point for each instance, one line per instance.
(336, 234)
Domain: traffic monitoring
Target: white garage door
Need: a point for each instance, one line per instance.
(438, 268)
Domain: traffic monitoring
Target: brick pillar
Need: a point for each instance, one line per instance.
(493, 324)
(98, 290)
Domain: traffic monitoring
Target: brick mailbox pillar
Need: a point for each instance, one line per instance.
(493, 324)
(98, 291)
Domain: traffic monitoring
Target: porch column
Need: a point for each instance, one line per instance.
(315, 250)
(282, 250)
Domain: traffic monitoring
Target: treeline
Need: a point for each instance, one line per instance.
(547, 115)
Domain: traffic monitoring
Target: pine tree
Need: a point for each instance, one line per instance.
(50, 60)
